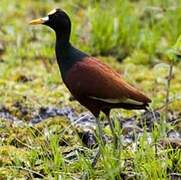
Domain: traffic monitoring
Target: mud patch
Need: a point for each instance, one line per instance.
(85, 123)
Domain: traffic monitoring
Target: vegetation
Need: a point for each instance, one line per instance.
(135, 37)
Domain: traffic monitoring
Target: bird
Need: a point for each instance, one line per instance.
(92, 83)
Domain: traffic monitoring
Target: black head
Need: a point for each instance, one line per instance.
(58, 20)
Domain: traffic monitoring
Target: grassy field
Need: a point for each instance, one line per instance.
(133, 37)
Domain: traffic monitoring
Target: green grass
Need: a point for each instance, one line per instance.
(132, 36)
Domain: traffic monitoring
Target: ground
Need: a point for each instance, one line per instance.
(134, 38)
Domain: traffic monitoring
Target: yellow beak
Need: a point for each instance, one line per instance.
(39, 21)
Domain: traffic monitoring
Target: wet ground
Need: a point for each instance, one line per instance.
(131, 128)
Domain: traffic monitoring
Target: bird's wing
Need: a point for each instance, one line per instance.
(95, 80)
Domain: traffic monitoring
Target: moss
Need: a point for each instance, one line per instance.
(133, 37)
(138, 57)
(10, 154)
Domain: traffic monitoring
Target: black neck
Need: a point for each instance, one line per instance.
(66, 54)
(63, 36)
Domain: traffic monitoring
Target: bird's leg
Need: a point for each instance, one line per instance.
(102, 142)
(115, 138)
(100, 131)
(96, 157)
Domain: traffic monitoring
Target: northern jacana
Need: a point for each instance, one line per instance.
(95, 85)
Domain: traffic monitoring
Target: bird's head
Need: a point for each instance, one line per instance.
(56, 19)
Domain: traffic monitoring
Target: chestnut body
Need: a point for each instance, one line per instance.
(99, 88)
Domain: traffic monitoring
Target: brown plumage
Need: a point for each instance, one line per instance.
(99, 88)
